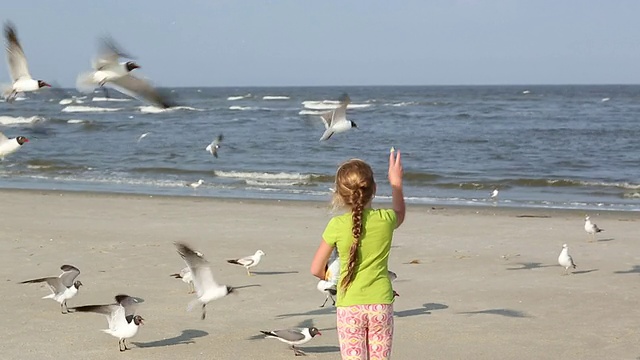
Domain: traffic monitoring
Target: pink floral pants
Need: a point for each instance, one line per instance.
(365, 331)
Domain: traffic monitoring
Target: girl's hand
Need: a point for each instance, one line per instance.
(395, 169)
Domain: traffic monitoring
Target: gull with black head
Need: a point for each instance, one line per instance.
(62, 287)
(335, 121)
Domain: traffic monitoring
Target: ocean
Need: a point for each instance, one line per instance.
(574, 147)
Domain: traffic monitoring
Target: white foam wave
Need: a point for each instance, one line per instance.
(236, 107)
(622, 185)
(155, 110)
(330, 105)
(10, 120)
(108, 99)
(74, 108)
(275, 97)
(272, 183)
(404, 103)
(77, 121)
(605, 99)
(65, 101)
(311, 112)
(233, 98)
(262, 176)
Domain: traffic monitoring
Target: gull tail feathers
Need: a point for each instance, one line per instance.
(269, 333)
(177, 276)
(233, 262)
(50, 296)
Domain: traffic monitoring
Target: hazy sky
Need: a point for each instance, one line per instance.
(357, 42)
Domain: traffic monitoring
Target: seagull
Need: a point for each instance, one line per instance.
(215, 145)
(293, 337)
(18, 68)
(206, 287)
(565, 260)
(494, 194)
(143, 136)
(392, 277)
(63, 287)
(329, 285)
(248, 261)
(123, 323)
(196, 184)
(591, 228)
(9, 146)
(335, 121)
(185, 275)
(107, 70)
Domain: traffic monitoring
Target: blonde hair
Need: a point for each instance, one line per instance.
(355, 187)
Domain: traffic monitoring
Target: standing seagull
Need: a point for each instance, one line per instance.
(248, 261)
(207, 289)
(187, 277)
(565, 260)
(9, 146)
(335, 121)
(123, 323)
(591, 228)
(107, 70)
(293, 337)
(18, 68)
(215, 145)
(196, 184)
(63, 287)
(329, 285)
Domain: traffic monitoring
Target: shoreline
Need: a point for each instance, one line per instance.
(471, 208)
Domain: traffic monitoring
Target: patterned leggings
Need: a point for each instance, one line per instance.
(365, 331)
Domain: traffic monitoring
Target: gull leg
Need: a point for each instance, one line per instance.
(325, 301)
(120, 346)
(12, 96)
(124, 342)
(63, 307)
(248, 272)
(204, 311)
(333, 299)
(297, 351)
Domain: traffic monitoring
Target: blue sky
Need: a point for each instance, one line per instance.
(316, 43)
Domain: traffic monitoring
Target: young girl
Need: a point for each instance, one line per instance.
(363, 239)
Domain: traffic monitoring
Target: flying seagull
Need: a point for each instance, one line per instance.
(108, 70)
(123, 322)
(591, 228)
(248, 261)
(215, 145)
(63, 287)
(18, 68)
(565, 260)
(207, 289)
(9, 146)
(335, 121)
(293, 337)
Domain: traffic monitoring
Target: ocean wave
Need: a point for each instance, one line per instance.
(77, 121)
(263, 176)
(46, 165)
(403, 103)
(239, 97)
(631, 195)
(149, 109)
(236, 107)
(80, 108)
(323, 105)
(526, 182)
(18, 120)
(275, 97)
(108, 99)
(311, 112)
(273, 183)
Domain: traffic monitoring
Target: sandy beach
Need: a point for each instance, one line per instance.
(484, 282)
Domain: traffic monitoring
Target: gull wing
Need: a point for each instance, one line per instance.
(16, 59)
(69, 275)
(289, 334)
(54, 284)
(3, 138)
(200, 270)
(140, 89)
(108, 54)
(340, 113)
(128, 303)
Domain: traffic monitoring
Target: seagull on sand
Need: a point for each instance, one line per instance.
(108, 70)
(207, 289)
(63, 287)
(18, 68)
(9, 146)
(293, 337)
(248, 261)
(215, 145)
(329, 285)
(123, 322)
(335, 121)
(565, 260)
(591, 228)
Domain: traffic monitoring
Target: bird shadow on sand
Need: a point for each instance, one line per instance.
(273, 272)
(424, 310)
(186, 337)
(529, 266)
(583, 271)
(634, 270)
(245, 286)
(321, 349)
(501, 312)
(605, 240)
(321, 311)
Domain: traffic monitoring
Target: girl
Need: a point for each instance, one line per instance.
(363, 239)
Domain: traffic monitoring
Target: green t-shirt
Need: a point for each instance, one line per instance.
(371, 284)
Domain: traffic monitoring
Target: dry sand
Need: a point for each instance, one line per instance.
(487, 285)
